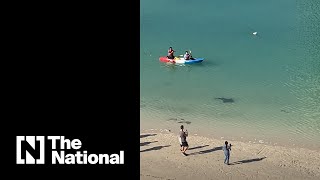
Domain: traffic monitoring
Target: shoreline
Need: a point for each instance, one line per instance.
(160, 159)
(220, 130)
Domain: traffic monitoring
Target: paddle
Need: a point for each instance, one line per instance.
(190, 54)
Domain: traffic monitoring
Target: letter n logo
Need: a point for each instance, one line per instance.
(30, 149)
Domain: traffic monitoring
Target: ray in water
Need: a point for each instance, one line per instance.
(226, 100)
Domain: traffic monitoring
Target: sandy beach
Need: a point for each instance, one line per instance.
(160, 158)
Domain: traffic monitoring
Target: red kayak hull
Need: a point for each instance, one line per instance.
(165, 59)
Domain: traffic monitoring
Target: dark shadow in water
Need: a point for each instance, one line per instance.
(155, 148)
(226, 100)
(180, 121)
(175, 119)
(247, 161)
(146, 143)
(207, 151)
(285, 111)
(197, 147)
(186, 122)
(146, 135)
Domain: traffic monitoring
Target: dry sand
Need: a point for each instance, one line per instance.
(160, 158)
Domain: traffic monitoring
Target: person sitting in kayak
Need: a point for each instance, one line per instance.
(170, 53)
(191, 56)
(187, 56)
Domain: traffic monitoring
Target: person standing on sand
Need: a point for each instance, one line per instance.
(226, 149)
(183, 140)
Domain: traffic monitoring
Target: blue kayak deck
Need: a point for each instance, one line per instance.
(192, 61)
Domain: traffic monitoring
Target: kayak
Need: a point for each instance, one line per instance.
(180, 60)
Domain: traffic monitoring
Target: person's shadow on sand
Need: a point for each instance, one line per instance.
(247, 161)
(146, 135)
(197, 147)
(146, 143)
(155, 148)
(207, 151)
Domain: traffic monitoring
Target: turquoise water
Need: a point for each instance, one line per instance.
(273, 77)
